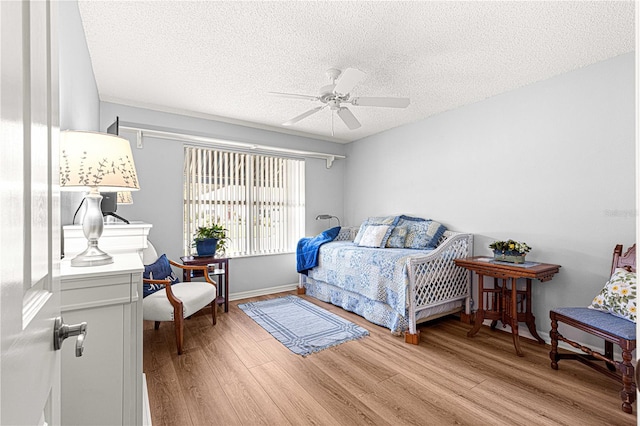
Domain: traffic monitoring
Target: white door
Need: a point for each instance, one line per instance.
(29, 213)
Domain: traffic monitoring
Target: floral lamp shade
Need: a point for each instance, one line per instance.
(124, 197)
(91, 159)
(94, 162)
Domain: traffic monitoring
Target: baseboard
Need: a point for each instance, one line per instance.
(262, 292)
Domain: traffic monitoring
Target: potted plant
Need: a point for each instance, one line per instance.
(509, 251)
(209, 239)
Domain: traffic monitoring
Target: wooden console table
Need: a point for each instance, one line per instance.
(217, 266)
(504, 302)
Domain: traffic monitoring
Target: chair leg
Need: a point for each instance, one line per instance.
(214, 308)
(178, 319)
(553, 354)
(628, 392)
(156, 325)
(608, 353)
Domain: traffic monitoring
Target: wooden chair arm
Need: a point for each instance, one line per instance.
(202, 268)
(175, 302)
(188, 267)
(208, 279)
(150, 281)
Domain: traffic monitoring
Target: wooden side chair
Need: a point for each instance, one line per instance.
(168, 299)
(613, 329)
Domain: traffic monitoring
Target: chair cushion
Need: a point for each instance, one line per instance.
(618, 297)
(194, 296)
(158, 270)
(602, 320)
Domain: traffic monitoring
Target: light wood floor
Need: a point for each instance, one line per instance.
(235, 373)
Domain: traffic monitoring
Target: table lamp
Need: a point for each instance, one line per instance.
(95, 162)
(124, 197)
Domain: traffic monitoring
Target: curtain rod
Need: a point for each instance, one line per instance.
(161, 134)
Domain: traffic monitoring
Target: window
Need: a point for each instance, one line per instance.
(259, 199)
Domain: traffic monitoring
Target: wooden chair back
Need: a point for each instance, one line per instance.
(626, 261)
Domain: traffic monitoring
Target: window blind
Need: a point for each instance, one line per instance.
(259, 199)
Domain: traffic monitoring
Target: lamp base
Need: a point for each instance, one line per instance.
(92, 227)
(92, 256)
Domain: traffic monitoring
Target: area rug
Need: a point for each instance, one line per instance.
(301, 326)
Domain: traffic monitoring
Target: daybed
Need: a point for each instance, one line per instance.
(408, 276)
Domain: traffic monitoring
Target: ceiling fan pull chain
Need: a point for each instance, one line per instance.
(333, 113)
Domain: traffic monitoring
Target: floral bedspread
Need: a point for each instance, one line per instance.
(371, 282)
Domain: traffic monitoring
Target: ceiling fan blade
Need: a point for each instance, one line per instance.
(294, 96)
(348, 79)
(303, 115)
(349, 119)
(381, 102)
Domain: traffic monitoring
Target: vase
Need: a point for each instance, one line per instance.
(207, 246)
(510, 256)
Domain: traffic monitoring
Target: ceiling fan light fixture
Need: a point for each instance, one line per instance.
(333, 95)
(334, 104)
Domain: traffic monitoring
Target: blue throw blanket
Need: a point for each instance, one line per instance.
(307, 250)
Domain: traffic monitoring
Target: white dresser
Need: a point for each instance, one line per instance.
(105, 386)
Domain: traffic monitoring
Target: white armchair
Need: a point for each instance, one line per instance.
(171, 300)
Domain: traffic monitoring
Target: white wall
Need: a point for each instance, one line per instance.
(551, 164)
(79, 102)
(160, 166)
(160, 162)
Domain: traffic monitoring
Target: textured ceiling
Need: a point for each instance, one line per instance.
(219, 59)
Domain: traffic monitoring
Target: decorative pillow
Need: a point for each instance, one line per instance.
(158, 270)
(375, 236)
(360, 233)
(382, 220)
(408, 222)
(397, 237)
(345, 234)
(618, 297)
(424, 234)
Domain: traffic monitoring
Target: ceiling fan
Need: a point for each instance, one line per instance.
(337, 93)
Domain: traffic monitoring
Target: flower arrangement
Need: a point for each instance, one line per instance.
(510, 246)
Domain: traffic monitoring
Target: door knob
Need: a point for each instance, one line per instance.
(61, 331)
